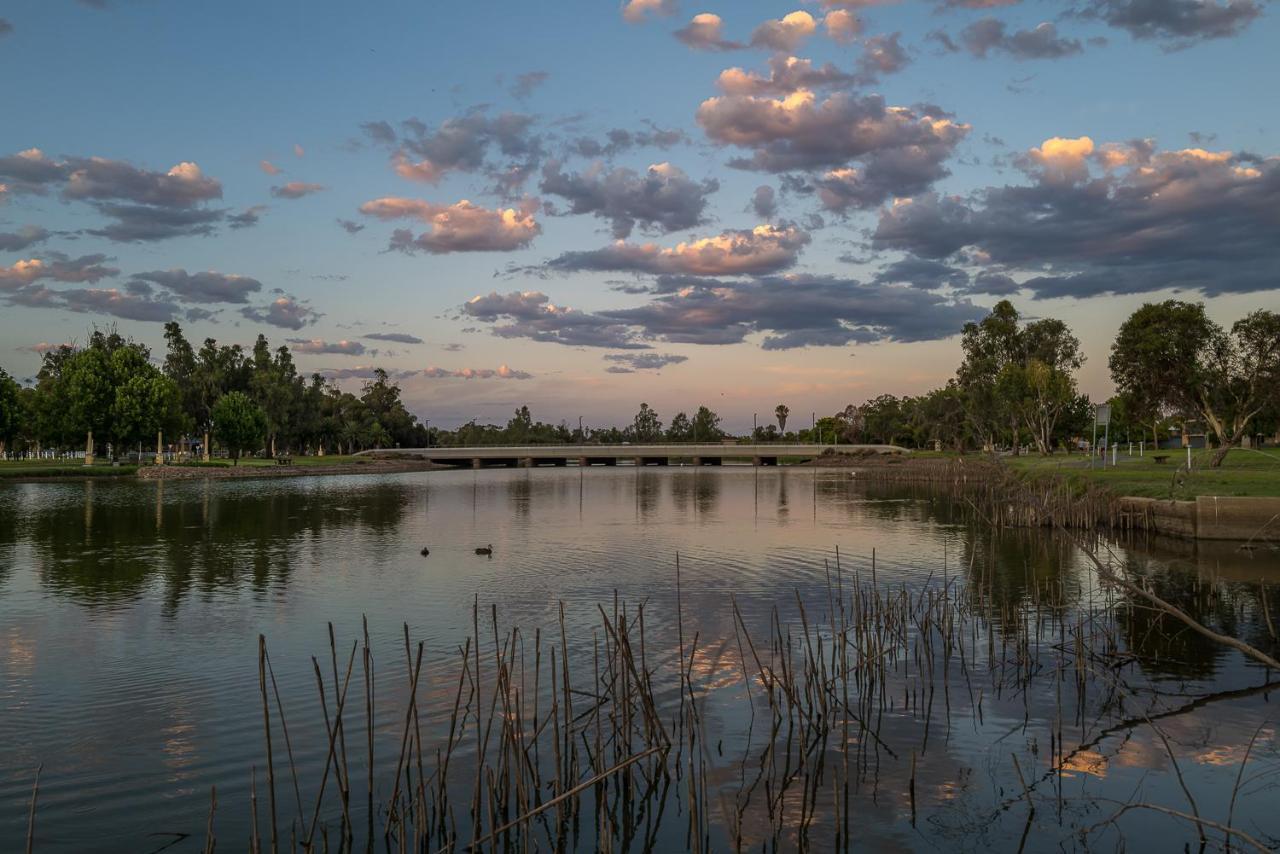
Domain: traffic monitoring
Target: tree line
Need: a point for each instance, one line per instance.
(1015, 387)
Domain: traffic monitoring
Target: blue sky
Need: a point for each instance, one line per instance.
(924, 141)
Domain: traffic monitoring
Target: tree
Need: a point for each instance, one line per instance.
(1173, 353)
(681, 429)
(706, 426)
(145, 402)
(988, 346)
(11, 411)
(781, 412)
(646, 427)
(239, 423)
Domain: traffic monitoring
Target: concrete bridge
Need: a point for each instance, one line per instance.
(702, 454)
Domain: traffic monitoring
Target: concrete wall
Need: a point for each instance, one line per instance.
(1225, 518)
(1209, 517)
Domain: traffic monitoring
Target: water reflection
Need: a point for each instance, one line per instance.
(129, 614)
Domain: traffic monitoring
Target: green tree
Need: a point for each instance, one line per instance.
(145, 402)
(646, 427)
(12, 414)
(782, 412)
(239, 423)
(706, 426)
(1172, 352)
(681, 429)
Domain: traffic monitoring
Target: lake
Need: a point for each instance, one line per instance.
(130, 614)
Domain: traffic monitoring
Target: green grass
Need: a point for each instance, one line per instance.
(22, 469)
(255, 462)
(1243, 473)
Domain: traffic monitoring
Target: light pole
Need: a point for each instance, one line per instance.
(754, 426)
(582, 439)
(428, 432)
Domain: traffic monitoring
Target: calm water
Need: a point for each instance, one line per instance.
(130, 612)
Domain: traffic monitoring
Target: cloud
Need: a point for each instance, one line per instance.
(502, 372)
(704, 32)
(787, 74)
(56, 267)
(664, 198)
(5, 27)
(298, 150)
(627, 363)
(922, 273)
(318, 346)
(30, 170)
(799, 311)
(988, 35)
(620, 140)
(28, 235)
(350, 226)
(635, 11)
(527, 82)
(459, 144)
(144, 205)
(764, 202)
(206, 287)
(786, 33)
(842, 26)
(269, 167)
(882, 55)
(1178, 23)
(118, 303)
(944, 5)
(394, 337)
(802, 131)
(461, 227)
(43, 347)
(285, 312)
(1095, 220)
(531, 314)
(247, 218)
(763, 249)
(360, 372)
(296, 190)
(100, 179)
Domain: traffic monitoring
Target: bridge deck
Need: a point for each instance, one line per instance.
(646, 454)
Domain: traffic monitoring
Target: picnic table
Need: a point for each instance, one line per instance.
(284, 461)
(1160, 458)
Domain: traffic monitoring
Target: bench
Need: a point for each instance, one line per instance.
(284, 461)
(1160, 458)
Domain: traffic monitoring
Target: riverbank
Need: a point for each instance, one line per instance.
(228, 472)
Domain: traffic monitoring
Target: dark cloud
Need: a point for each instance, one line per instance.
(764, 202)
(247, 218)
(453, 347)
(285, 311)
(789, 311)
(631, 362)
(206, 287)
(664, 198)
(993, 284)
(350, 226)
(527, 82)
(532, 315)
(799, 311)
(296, 190)
(100, 179)
(787, 74)
(620, 140)
(117, 303)
(803, 131)
(1115, 219)
(146, 223)
(395, 337)
(1177, 23)
(31, 171)
(318, 346)
(764, 249)
(922, 273)
(5, 27)
(881, 55)
(28, 235)
(460, 144)
(988, 35)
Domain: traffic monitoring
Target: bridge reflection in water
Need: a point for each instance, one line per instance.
(704, 454)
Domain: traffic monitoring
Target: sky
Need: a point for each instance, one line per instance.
(585, 205)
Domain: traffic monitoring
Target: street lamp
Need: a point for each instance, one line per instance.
(428, 432)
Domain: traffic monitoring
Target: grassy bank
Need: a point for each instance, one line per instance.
(1245, 472)
(44, 469)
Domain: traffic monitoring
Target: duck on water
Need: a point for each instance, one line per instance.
(485, 550)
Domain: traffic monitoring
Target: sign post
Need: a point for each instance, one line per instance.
(1101, 418)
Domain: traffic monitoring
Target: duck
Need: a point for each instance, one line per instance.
(425, 551)
(485, 550)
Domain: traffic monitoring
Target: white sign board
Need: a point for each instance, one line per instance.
(1102, 414)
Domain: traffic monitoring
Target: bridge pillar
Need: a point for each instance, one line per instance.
(476, 462)
(695, 461)
(526, 462)
(764, 461)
